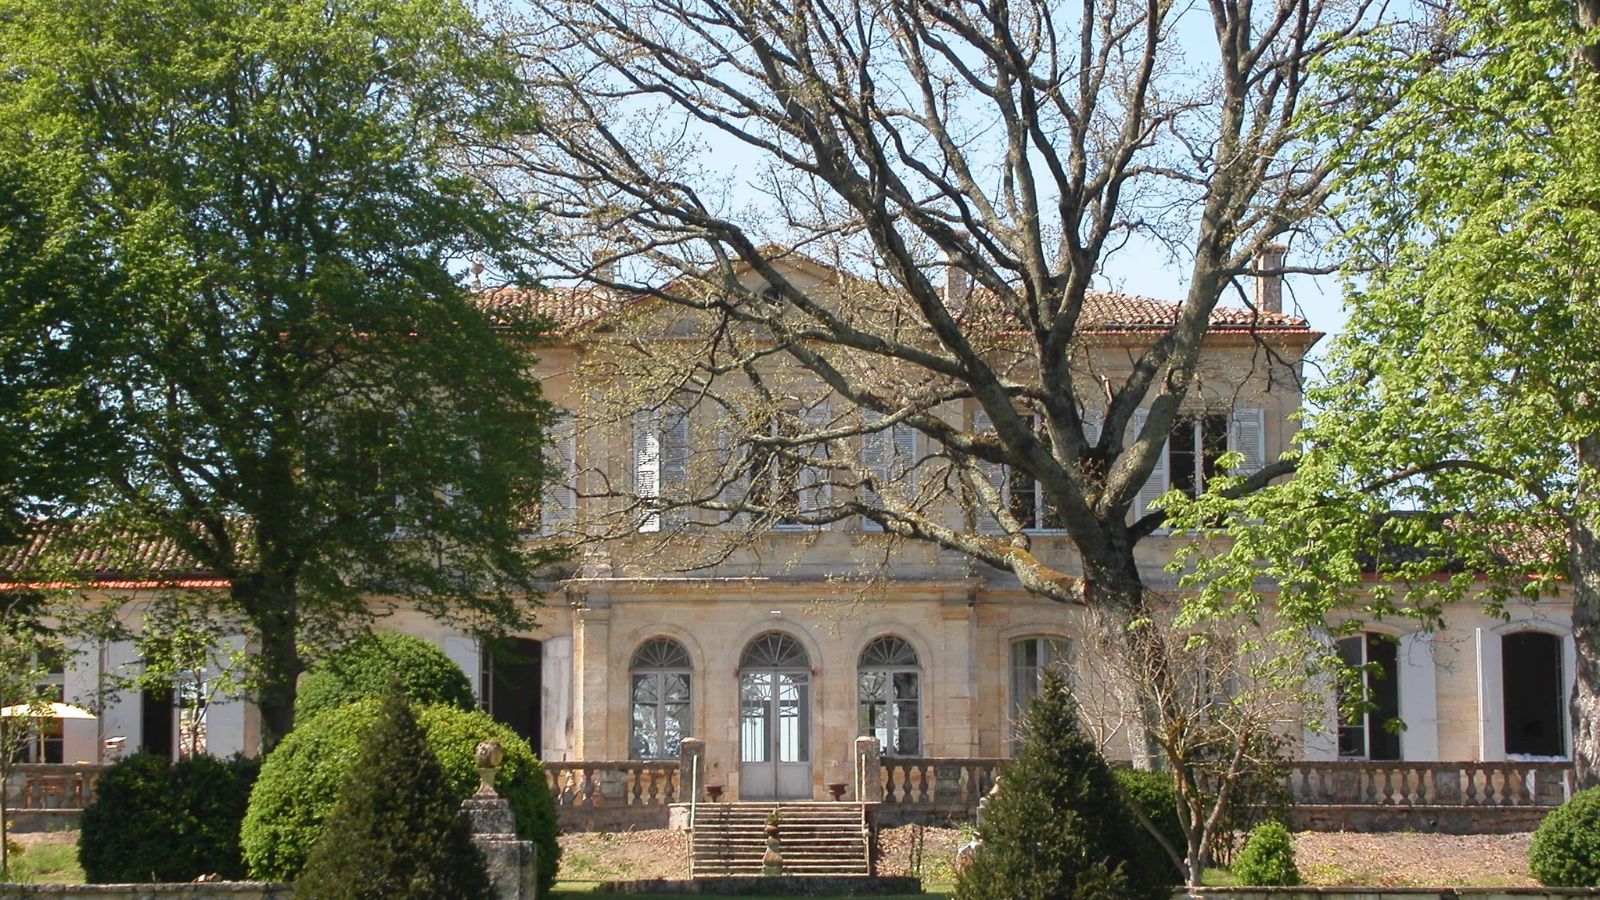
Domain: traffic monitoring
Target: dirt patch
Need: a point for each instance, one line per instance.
(624, 855)
(898, 846)
(1404, 859)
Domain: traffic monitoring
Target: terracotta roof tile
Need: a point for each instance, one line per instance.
(572, 310)
(102, 557)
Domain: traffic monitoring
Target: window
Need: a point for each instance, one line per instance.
(660, 464)
(660, 685)
(1022, 494)
(1030, 658)
(1195, 443)
(1367, 734)
(1534, 700)
(558, 503)
(1193, 448)
(889, 455)
(889, 696)
(45, 743)
(788, 483)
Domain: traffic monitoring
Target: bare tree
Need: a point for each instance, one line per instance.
(857, 221)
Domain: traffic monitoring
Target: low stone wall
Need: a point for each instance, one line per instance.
(771, 886)
(1386, 892)
(213, 890)
(1430, 819)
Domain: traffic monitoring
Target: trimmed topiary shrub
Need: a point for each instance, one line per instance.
(152, 820)
(1566, 846)
(300, 783)
(362, 669)
(1058, 826)
(1267, 859)
(397, 831)
(1153, 792)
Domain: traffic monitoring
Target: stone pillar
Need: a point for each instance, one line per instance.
(869, 770)
(509, 859)
(691, 758)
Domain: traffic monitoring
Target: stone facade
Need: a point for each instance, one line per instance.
(833, 592)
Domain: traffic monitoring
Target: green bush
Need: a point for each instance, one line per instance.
(300, 783)
(362, 669)
(1058, 826)
(1153, 792)
(152, 820)
(397, 831)
(1267, 859)
(1566, 847)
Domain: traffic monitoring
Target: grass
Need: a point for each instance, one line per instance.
(47, 862)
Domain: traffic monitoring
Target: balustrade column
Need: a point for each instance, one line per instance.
(692, 759)
(869, 770)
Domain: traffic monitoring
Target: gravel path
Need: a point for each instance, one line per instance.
(1337, 858)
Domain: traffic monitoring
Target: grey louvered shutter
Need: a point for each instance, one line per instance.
(674, 469)
(1247, 434)
(558, 509)
(993, 473)
(1157, 483)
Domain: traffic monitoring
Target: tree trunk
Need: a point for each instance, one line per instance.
(1584, 572)
(274, 609)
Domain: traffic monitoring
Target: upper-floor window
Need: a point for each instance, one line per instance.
(1023, 495)
(889, 454)
(794, 481)
(1195, 444)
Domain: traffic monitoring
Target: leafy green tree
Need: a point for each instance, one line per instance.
(397, 830)
(366, 668)
(1058, 826)
(307, 402)
(1464, 389)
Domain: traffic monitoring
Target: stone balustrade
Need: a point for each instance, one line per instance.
(1538, 784)
(613, 794)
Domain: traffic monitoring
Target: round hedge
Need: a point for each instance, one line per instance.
(153, 820)
(1267, 859)
(1566, 847)
(1154, 793)
(363, 668)
(300, 782)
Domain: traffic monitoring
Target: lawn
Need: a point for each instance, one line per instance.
(50, 858)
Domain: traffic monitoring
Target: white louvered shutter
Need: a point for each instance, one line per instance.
(994, 473)
(647, 466)
(1247, 434)
(1157, 483)
(674, 470)
(558, 509)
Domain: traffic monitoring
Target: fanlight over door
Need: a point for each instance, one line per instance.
(774, 719)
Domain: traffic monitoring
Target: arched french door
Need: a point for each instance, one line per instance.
(774, 719)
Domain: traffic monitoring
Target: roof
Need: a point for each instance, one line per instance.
(103, 558)
(571, 310)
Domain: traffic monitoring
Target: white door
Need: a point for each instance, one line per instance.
(774, 720)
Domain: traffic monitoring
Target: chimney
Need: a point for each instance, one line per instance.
(1269, 283)
(957, 285)
(603, 265)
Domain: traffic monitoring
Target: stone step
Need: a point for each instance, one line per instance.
(814, 838)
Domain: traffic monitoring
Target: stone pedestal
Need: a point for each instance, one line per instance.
(510, 859)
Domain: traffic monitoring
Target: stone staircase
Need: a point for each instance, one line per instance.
(830, 839)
